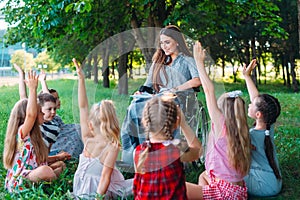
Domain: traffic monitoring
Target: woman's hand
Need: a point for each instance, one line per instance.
(78, 69)
(247, 70)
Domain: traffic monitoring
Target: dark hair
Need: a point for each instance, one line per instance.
(270, 108)
(160, 58)
(51, 90)
(45, 97)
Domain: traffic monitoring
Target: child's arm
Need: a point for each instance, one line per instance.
(62, 156)
(22, 87)
(195, 146)
(82, 103)
(32, 107)
(208, 87)
(108, 167)
(42, 78)
(252, 90)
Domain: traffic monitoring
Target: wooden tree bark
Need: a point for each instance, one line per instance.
(95, 67)
(293, 73)
(105, 67)
(122, 68)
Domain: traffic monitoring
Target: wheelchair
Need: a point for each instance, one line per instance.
(192, 108)
(196, 116)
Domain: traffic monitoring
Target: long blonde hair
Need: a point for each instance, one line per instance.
(159, 116)
(16, 119)
(238, 149)
(104, 116)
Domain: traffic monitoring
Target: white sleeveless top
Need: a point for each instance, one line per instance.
(87, 177)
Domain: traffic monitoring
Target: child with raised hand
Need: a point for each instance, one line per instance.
(49, 129)
(69, 135)
(96, 174)
(159, 172)
(228, 151)
(25, 154)
(264, 178)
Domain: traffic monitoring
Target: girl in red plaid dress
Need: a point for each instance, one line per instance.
(228, 152)
(159, 172)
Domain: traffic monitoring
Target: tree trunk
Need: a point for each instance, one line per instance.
(105, 67)
(95, 67)
(293, 74)
(283, 69)
(287, 67)
(122, 68)
(88, 67)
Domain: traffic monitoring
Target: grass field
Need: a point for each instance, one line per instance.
(287, 132)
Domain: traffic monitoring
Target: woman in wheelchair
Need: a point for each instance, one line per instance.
(173, 70)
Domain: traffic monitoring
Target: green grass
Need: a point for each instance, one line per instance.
(287, 132)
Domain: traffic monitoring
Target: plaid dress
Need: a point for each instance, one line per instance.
(164, 176)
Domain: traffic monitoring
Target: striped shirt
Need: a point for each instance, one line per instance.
(50, 131)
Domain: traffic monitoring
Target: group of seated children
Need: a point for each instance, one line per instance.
(238, 161)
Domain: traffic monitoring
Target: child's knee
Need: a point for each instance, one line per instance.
(42, 173)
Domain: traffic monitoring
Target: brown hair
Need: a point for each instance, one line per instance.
(160, 58)
(238, 149)
(45, 97)
(16, 119)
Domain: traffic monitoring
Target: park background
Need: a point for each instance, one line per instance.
(115, 41)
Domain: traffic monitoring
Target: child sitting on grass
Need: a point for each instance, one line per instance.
(96, 174)
(264, 178)
(49, 128)
(159, 172)
(25, 154)
(69, 135)
(228, 151)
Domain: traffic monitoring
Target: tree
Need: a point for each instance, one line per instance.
(46, 63)
(23, 59)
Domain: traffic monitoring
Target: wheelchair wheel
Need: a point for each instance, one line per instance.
(196, 117)
(202, 129)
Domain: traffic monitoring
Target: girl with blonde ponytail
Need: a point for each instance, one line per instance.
(96, 175)
(264, 178)
(159, 172)
(228, 151)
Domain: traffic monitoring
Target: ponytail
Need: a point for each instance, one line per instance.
(269, 106)
(269, 149)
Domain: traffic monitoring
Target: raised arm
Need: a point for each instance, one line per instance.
(208, 87)
(252, 90)
(22, 86)
(32, 107)
(42, 79)
(82, 103)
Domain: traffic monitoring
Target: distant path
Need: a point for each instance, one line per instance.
(10, 81)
